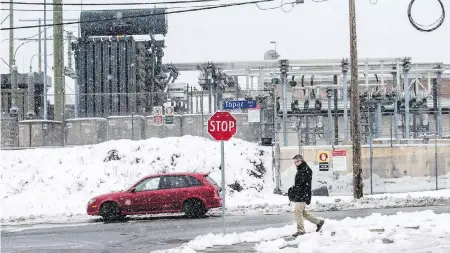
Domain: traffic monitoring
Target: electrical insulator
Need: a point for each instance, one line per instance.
(284, 66)
(425, 119)
(319, 123)
(412, 102)
(329, 92)
(399, 105)
(318, 105)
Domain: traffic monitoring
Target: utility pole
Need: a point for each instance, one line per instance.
(356, 140)
(58, 59)
(45, 116)
(45, 61)
(284, 67)
(72, 71)
(40, 47)
(11, 36)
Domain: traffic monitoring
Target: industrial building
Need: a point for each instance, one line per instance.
(119, 77)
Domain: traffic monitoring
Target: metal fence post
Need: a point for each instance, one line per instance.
(330, 118)
(436, 159)
(392, 126)
(299, 134)
(201, 111)
(371, 154)
(132, 126)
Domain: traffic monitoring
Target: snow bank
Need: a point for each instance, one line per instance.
(52, 184)
(404, 232)
(272, 203)
(339, 183)
(60, 181)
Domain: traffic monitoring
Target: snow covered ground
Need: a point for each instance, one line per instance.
(404, 232)
(60, 181)
(342, 184)
(50, 184)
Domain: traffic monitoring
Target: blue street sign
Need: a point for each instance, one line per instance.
(239, 104)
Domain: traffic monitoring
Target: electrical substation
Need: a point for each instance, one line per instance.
(118, 75)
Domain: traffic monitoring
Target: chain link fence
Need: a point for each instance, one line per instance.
(97, 118)
(391, 161)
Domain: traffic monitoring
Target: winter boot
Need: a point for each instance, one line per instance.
(298, 233)
(319, 226)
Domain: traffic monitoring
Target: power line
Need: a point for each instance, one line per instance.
(37, 34)
(110, 4)
(141, 16)
(171, 7)
(281, 6)
(433, 26)
(5, 18)
(276, 7)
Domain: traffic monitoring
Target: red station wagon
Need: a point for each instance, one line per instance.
(191, 193)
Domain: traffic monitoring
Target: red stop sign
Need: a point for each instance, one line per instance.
(222, 126)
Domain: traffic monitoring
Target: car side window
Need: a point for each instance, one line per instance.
(192, 181)
(148, 184)
(171, 182)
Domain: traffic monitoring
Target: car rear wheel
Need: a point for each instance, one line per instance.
(194, 208)
(110, 211)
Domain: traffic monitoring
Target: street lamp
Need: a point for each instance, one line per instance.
(31, 61)
(14, 61)
(276, 53)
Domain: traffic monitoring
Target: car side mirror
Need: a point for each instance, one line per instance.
(133, 190)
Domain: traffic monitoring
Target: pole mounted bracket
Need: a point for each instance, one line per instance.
(329, 92)
(284, 67)
(406, 64)
(394, 71)
(345, 66)
(439, 69)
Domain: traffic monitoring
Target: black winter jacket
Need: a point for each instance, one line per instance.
(301, 191)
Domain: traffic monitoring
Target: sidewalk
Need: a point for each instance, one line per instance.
(246, 247)
(241, 247)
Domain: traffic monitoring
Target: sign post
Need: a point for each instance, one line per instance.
(222, 126)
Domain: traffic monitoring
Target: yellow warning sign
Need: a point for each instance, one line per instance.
(323, 156)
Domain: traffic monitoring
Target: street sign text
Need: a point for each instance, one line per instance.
(239, 104)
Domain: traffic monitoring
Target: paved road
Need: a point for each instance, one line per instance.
(144, 235)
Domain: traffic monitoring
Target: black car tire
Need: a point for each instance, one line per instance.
(110, 211)
(194, 208)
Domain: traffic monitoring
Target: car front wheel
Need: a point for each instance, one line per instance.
(110, 211)
(194, 208)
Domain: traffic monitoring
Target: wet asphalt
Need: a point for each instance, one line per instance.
(148, 234)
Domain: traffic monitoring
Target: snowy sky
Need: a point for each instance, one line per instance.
(311, 30)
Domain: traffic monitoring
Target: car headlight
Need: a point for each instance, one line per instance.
(92, 201)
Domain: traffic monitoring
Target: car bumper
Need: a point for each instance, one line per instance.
(92, 210)
(214, 202)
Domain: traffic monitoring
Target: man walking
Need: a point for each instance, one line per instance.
(300, 193)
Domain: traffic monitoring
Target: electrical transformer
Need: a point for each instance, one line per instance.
(123, 22)
(117, 75)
